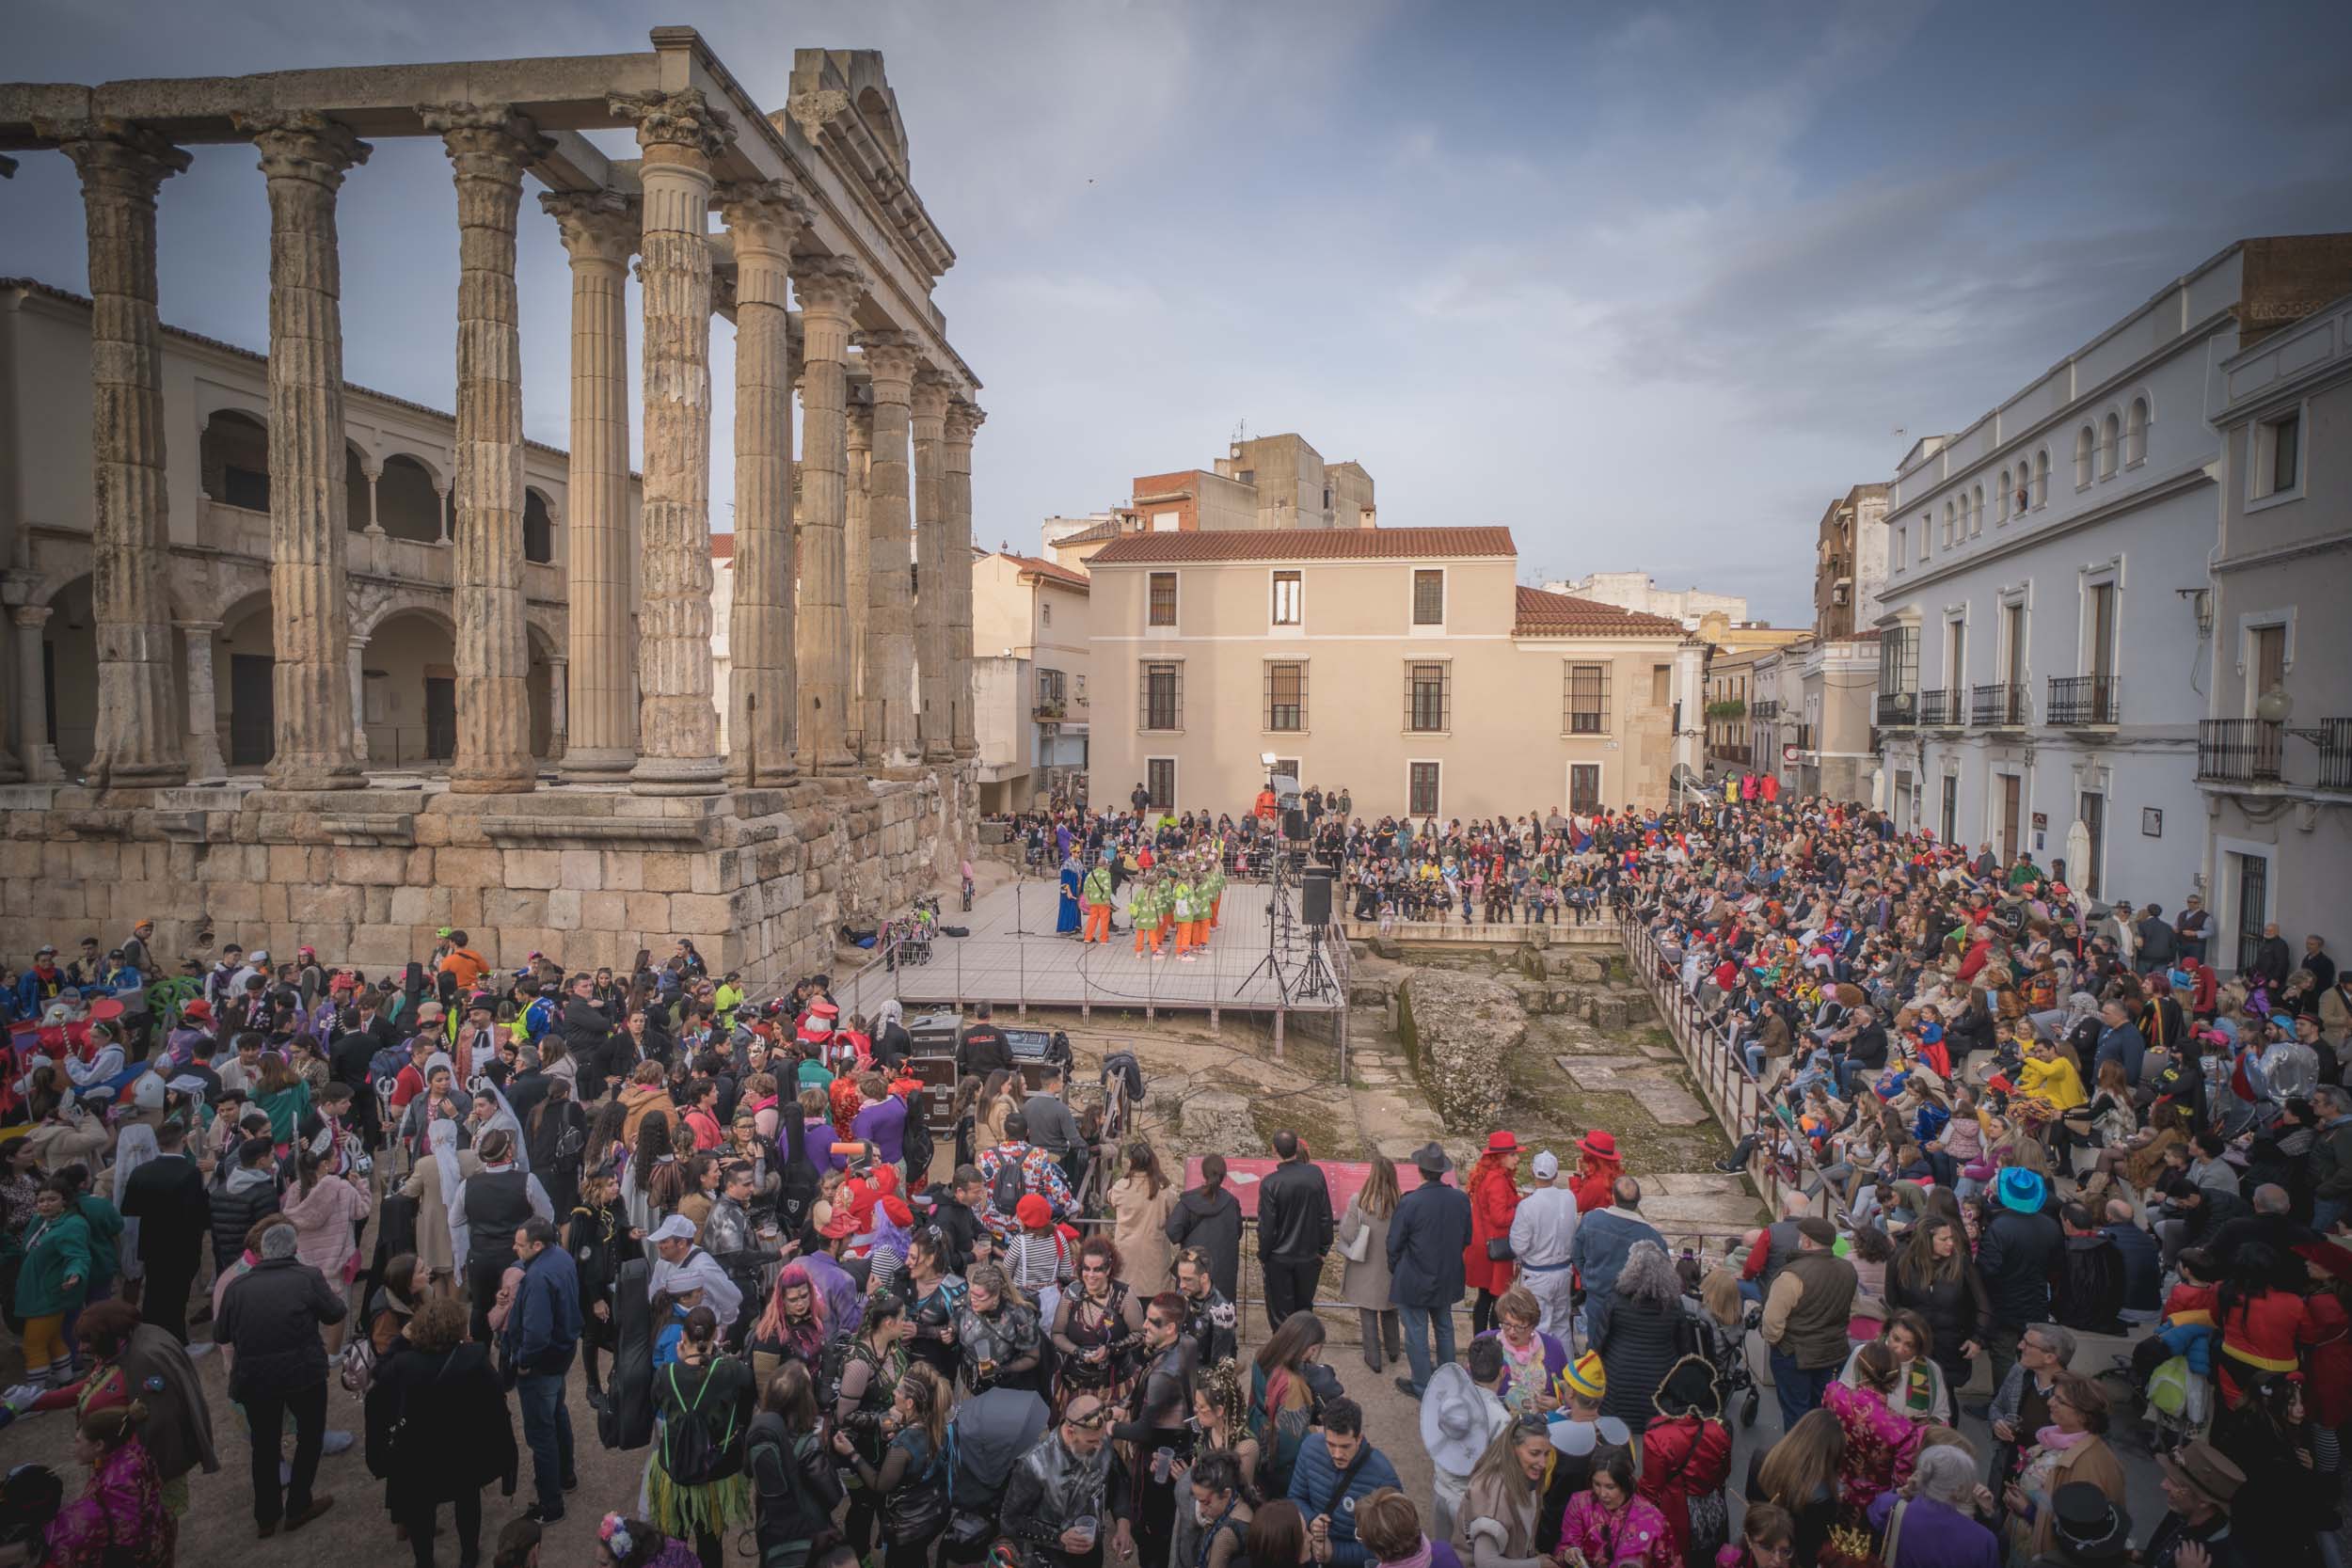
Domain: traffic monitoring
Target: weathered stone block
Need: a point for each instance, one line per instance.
(697, 911)
(603, 912)
(649, 913)
(623, 871)
(388, 868)
(563, 909)
(470, 868)
(668, 872)
(583, 870)
(534, 868)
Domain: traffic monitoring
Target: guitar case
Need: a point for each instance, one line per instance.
(624, 1414)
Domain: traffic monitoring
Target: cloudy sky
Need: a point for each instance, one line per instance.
(1649, 284)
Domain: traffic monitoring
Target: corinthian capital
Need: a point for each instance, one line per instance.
(301, 144)
(683, 120)
(828, 286)
(964, 417)
(892, 360)
(115, 157)
(485, 141)
(596, 226)
(763, 215)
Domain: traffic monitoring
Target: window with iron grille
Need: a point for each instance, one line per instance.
(1286, 696)
(1421, 788)
(1290, 599)
(1163, 700)
(1428, 696)
(1898, 660)
(1159, 781)
(1163, 599)
(1429, 597)
(1050, 688)
(1587, 702)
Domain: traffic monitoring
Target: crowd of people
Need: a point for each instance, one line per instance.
(2011, 1126)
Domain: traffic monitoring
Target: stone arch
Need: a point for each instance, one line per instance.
(408, 683)
(408, 498)
(233, 457)
(245, 655)
(538, 526)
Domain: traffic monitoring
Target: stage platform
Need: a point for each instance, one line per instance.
(1013, 957)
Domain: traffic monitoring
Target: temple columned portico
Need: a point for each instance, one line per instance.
(583, 804)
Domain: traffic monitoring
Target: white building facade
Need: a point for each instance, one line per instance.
(2275, 757)
(1635, 590)
(2042, 662)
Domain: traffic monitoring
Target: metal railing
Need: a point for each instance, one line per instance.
(1764, 707)
(2000, 705)
(1730, 1091)
(2084, 702)
(1940, 709)
(2240, 750)
(2335, 753)
(1898, 710)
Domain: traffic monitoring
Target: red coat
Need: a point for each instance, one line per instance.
(1682, 1458)
(2329, 1363)
(1596, 1185)
(1494, 1194)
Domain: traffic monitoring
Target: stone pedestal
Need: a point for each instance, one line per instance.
(601, 233)
(138, 720)
(305, 156)
(489, 147)
(678, 726)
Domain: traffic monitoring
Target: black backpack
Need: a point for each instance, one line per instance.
(692, 1453)
(1008, 1187)
(916, 1141)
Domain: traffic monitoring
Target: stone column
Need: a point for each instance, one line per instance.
(828, 292)
(488, 148)
(601, 233)
(305, 156)
(857, 545)
(762, 682)
(38, 757)
(677, 724)
(372, 473)
(203, 744)
(441, 510)
(964, 417)
(935, 614)
(359, 697)
(890, 695)
(137, 740)
(559, 707)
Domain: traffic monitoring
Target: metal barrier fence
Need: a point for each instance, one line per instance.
(1720, 1072)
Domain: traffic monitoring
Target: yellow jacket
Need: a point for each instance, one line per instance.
(2055, 1081)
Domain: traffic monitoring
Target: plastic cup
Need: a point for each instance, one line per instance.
(1086, 1525)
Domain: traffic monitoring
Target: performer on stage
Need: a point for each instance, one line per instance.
(1067, 921)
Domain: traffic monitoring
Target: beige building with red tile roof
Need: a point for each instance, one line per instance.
(1407, 665)
(1030, 700)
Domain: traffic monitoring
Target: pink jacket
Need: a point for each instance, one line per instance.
(323, 1223)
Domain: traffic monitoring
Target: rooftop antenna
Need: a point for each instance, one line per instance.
(1241, 431)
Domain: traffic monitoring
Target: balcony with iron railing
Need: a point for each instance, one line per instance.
(1941, 710)
(1898, 710)
(2085, 702)
(2334, 737)
(2241, 751)
(1764, 709)
(1802, 738)
(1998, 706)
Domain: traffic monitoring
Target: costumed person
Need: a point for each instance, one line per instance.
(1095, 891)
(1496, 1525)
(1613, 1525)
(1580, 1433)
(695, 1487)
(1067, 915)
(128, 1360)
(1460, 1417)
(1881, 1447)
(1686, 1458)
(1597, 1169)
(1543, 1239)
(120, 1520)
(1493, 1187)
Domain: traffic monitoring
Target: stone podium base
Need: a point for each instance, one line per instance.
(759, 879)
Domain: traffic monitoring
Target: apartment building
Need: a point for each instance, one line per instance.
(2046, 644)
(1407, 665)
(1030, 710)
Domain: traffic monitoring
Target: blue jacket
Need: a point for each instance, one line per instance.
(543, 1328)
(1603, 1240)
(2124, 1043)
(2143, 1271)
(1426, 1236)
(1315, 1478)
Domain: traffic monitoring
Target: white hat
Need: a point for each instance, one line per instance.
(677, 1227)
(1579, 1438)
(257, 957)
(1546, 1165)
(148, 1093)
(1455, 1425)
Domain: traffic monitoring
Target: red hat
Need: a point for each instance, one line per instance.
(1500, 1141)
(822, 1008)
(1598, 1143)
(1034, 1212)
(196, 1007)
